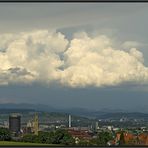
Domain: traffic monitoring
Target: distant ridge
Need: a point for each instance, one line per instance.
(39, 107)
(101, 114)
(8, 111)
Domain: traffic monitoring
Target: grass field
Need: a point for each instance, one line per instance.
(11, 143)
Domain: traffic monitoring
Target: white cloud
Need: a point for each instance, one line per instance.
(131, 44)
(35, 56)
(34, 52)
(92, 61)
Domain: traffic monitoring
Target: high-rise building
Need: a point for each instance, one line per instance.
(15, 123)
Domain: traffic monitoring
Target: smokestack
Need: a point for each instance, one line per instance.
(96, 125)
(69, 121)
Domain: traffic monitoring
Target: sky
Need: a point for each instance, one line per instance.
(88, 55)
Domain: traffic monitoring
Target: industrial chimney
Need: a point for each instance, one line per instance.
(69, 121)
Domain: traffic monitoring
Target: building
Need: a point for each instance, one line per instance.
(143, 139)
(36, 124)
(80, 134)
(26, 130)
(15, 123)
(131, 139)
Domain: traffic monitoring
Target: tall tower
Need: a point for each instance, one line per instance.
(36, 124)
(97, 126)
(69, 121)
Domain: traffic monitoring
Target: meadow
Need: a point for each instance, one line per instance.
(12, 143)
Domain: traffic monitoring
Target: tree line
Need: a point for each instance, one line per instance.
(61, 137)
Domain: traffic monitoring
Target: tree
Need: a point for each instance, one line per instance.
(42, 137)
(67, 139)
(93, 142)
(103, 138)
(57, 137)
(63, 137)
(5, 134)
(59, 134)
(50, 138)
(30, 138)
(83, 142)
(122, 140)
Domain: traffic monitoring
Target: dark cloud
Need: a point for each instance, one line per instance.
(19, 71)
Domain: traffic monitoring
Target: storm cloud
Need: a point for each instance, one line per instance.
(87, 60)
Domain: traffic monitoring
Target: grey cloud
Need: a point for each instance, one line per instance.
(19, 71)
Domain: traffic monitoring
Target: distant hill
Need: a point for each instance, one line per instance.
(101, 114)
(119, 115)
(39, 107)
(46, 108)
(9, 111)
(55, 118)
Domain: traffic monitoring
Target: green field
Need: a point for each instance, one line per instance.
(11, 143)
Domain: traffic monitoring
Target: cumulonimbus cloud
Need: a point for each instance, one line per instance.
(86, 61)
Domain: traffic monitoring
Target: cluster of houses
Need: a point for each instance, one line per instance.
(131, 139)
(80, 134)
(128, 137)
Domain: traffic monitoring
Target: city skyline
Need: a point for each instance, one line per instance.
(91, 55)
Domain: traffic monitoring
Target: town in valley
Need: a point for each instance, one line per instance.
(26, 125)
